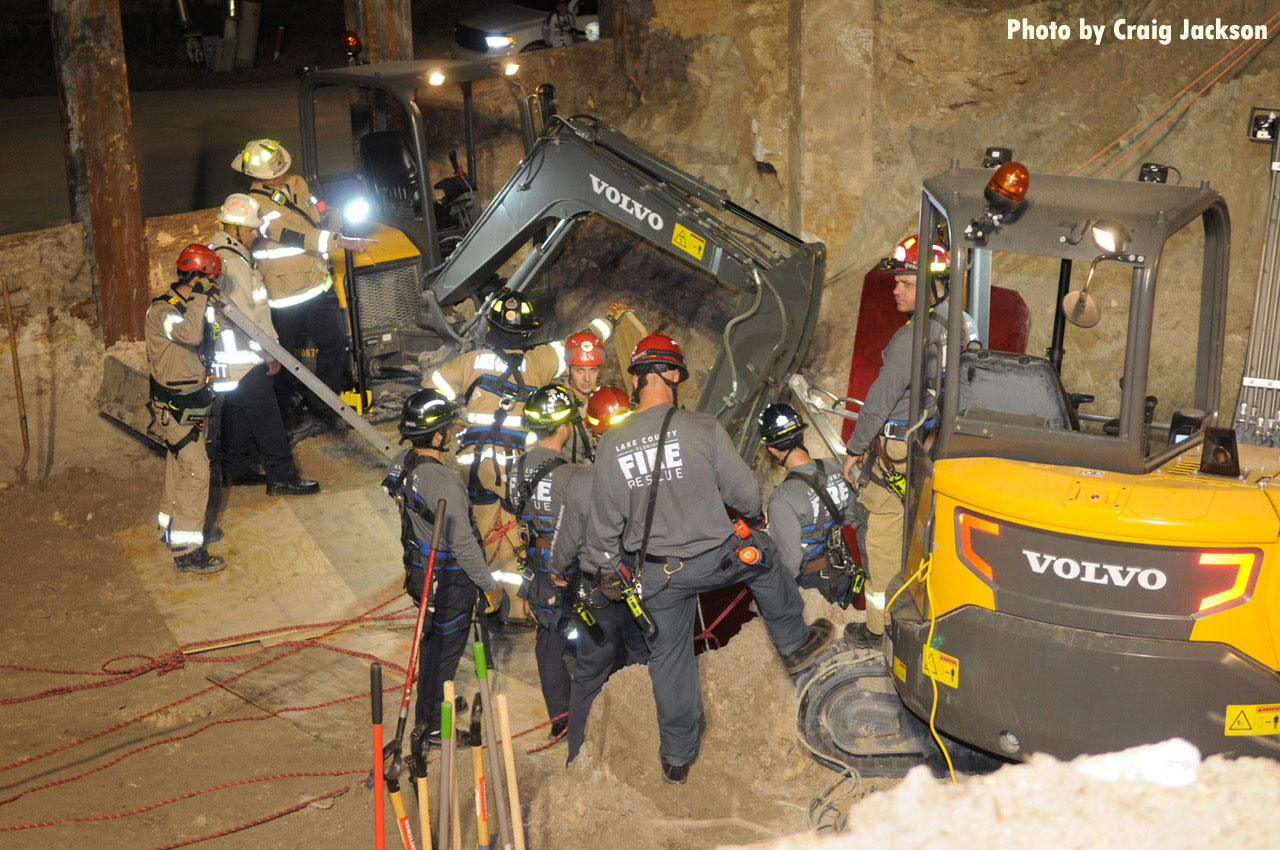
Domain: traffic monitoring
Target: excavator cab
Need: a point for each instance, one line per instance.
(374, 144)
(1073, 580)
(1083, 582)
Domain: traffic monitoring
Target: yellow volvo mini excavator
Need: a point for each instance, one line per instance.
(1073, 582)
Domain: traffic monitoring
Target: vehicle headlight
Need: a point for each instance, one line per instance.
(499, 41)
(356, 211)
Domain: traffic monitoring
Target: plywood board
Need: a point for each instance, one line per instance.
(309, 678)
(624, 338)
(353, 529)
(276, 576)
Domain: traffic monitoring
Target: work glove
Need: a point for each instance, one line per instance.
(206, 286)
(493, 600)
(616, 311)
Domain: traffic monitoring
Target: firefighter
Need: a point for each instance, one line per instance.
(882, 424)
(537, 491)
(807, 509)
(584, 355)
(417, 480)
(180, 352)
(294, 260)
(251, 422)
(663, 478)
(623, 642)
(493, 384)
(561, 26)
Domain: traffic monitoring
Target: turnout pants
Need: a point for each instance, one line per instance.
(186, 485)
(322, 318)
(252, 427)
(671, 594)
(501, 553)
(443, 643)
(884, 536)
(624, 644)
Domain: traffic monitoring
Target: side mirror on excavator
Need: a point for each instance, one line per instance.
(1080, 308)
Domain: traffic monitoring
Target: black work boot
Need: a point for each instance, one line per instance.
(674, 774)
(295, 486)
(860, 636)
(557, 728)
(199, 561)
(820, 633)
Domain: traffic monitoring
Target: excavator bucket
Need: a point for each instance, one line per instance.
(123, 395)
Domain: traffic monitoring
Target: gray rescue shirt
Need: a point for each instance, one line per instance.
(571, 525)
(798, 520)
(430, 482)
(701, 473)
(888, 399)
(547, 498)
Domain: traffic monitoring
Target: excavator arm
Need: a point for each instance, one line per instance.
(583, 166)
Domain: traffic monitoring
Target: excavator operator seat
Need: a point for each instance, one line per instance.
(391, 172)
(1014, 388)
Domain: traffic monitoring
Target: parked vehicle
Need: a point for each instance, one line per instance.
(504, 29)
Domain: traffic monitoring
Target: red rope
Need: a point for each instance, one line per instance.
(187, 796)
(334, 793)
(557, 739)
(706, 633)
(185, 736)
(125, 723)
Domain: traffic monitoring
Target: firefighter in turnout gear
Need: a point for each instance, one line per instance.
(882, 423)
(493, 383)
(417, 480)
(808, 509)
(179, 340)
(293, 257)
(537, 490)
(617, 639)
(662, 480)
(251, 421)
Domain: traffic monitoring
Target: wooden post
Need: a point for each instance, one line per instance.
(102, 169)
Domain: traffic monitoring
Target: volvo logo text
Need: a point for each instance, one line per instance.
(625, 202)
(1092, 572)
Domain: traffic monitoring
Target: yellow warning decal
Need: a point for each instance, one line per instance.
(688, 241)
(941, 667)
(899, 669)
(1252, 720)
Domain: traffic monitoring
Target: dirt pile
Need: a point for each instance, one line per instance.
(752, 780)
(1123, 799)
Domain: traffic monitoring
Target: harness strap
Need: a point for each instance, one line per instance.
(478, 492)
(281, 199)
(192, 436)
(653, 493)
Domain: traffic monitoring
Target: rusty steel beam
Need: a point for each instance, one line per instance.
(102, 169)
(384, 26)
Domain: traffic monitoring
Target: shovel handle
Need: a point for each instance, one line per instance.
(379, 803)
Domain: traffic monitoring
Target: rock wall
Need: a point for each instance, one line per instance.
(60, 351)
(825, 115)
